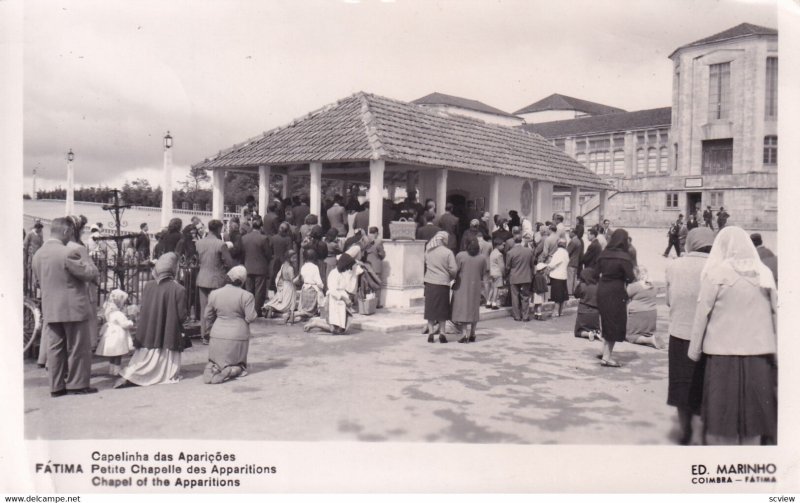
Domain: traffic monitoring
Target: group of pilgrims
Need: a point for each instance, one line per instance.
(292, 264)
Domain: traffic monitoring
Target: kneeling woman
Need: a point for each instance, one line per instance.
(342, 286)
(587, 323)
(229, 312)
(642, 313)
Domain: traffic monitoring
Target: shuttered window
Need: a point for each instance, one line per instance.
(718, 157)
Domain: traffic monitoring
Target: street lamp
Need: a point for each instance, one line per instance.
(70, 204)
(166, 188)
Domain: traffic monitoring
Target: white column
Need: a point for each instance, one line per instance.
(218, 193)
(263, 189)
(441, 191)
(69, 208)
(376, 170)
(33, 194)
(315, 189)
(574, 208)
(166, 188)
(494, 198)
(285, 187)
(602, 208)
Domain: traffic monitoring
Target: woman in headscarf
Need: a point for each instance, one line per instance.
(280, 243)
(642, 313)
(158, 340)
(440, 270)
(735, 326)
(284, 300)
(471, 269)
(587, 323)
(229, 313)
(342, 287)
(683, 287)
(615, 271)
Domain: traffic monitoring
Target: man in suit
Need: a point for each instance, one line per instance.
(215, 261)
(301, 211)
(519, 267)
(143, 242)
(708, 218)
(427, 231)
(766, 255)
(271, 220)
(362, 218)
(449, 222)
(257, 254)
(337, 216)
(66, 311)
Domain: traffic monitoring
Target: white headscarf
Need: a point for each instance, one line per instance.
(114, 302)
(733, 256)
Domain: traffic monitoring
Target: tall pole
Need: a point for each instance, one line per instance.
(33, 195)
(166, 188)
(70, 206)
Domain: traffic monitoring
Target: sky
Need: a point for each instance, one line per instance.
(108, 78)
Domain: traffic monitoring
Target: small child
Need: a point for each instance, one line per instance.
(497, 267)
(539, 290)
(115, 335)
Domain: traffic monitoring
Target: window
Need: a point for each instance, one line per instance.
(771, 107)
(663, 159)
(619, 141)
(652, 160)
(640, 161)
(672, 199)
(715, 199)
(676, 158)
(559, 144)
(771, 150)
(718, 157)
(581, 158)
(619, 162)
(719, 90)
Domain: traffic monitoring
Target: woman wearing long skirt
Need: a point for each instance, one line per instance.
(229, 313)
(685, 389)
(285, 290)
(471, 265)
(735, 327)
(615, 271)
(642, 313)
(440, 270)
(558, 265)
(342, 286)
(157, 358)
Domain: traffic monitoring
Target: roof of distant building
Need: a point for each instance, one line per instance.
(738, 31)
(365, 127)
(455, 101)
(624, 121)
(561, 102)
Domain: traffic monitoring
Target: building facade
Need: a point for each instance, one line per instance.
(716, 146)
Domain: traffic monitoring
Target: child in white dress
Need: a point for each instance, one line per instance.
(115, 335)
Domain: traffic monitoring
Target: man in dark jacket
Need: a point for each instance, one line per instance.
(427, 231)
(708, 218)
(673, 237)
(575, 251)
(271, 220)
(765, 254)
(143, 242)
(519, 267)
(592, 253)
(722, 217)
(257, 254)
(362, 218)
(215, 261)
(449, 222)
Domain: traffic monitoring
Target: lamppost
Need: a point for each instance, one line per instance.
(33, 193)
(166, 188)
(70, 206)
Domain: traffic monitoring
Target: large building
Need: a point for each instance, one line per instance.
(559, 107)
(716, 146)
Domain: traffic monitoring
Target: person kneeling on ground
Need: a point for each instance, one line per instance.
(642, 314)
(229, 312)
(587, 323)
(342, 286)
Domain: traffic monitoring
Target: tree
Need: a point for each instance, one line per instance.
(193, 184)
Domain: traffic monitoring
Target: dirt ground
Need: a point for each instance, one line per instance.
(527, 383)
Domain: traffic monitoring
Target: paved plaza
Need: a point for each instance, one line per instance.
(528, 383)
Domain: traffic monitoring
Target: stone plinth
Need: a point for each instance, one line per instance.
(402, 273)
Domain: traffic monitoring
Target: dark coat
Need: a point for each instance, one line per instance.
(170, 241)
(143, 245)
(449, 222)
(362, 220)
(299, 213)
(163, 311)
(256, 253)
(615, 271)
(426, 232)
(591, 255)
(519, 264)
(271, 221)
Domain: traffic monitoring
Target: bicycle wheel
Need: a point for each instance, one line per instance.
(31, 323)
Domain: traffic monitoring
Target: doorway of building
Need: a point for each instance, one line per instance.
(694, 201)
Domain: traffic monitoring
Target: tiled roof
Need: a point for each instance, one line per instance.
(561, 102)
(455, 101)
(625, 121)
(364, 127)
(739, 31)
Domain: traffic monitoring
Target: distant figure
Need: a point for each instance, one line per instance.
(337, 216)
(142, 242)
(708, 218)
(673, 237)
(765, 254)
(722, 217)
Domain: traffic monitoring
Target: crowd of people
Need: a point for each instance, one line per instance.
(721, 293)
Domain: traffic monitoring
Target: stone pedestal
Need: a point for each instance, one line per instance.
(402, 273)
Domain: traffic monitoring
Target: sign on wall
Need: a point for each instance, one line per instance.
(692, 183)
